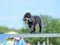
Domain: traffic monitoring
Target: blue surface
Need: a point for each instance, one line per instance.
(3, 36)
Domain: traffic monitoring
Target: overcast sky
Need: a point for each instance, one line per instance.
(12, 11)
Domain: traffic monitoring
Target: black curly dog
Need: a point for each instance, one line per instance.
(32, 22)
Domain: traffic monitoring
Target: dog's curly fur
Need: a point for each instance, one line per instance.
(32, 22)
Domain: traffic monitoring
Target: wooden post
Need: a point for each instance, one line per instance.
(51, 44)
(47, 41)
(44, 43)
(38, 43)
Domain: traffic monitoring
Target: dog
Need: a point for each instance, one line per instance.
(32, 22)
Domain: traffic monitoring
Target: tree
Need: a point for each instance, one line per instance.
(3, 30)
(53, 26)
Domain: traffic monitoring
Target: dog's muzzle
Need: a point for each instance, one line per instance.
(25, 19)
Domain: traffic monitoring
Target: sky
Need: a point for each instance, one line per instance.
(12, 11)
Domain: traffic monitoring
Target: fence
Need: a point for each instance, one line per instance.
(44, 43)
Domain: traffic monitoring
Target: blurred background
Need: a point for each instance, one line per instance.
(12, 12)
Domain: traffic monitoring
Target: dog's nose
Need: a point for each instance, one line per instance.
(23, 19)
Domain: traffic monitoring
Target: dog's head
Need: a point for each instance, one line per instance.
(27, 16)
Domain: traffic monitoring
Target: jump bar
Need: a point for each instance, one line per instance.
(34, 35)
